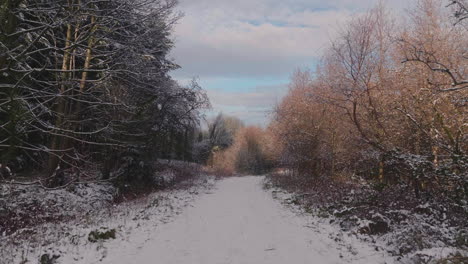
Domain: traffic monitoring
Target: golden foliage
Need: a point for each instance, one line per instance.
(380, 91)
(251, 153)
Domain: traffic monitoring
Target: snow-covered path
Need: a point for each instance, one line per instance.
(240, 223)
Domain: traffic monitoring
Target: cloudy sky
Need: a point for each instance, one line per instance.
(243, 51)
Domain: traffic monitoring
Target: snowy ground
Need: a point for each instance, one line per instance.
(416, 231)
(234, 220)
(67, 242)
(237, 222)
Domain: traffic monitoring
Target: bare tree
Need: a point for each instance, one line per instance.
(80, 75)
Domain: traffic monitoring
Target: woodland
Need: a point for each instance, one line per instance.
(378, 131)
(85, 88)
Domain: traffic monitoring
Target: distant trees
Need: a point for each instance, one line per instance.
(82, 79)
(252, 152)
(229, 147)
(387, 103)
(219, 136)
(223, 129)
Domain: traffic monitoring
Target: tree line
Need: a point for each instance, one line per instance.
(387, 103)
(230, 147)
(86, 82)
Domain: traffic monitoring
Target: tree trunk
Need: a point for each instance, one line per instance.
(8, 26)
(56, 139)
(75, 112)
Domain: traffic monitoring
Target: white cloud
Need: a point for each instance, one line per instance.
(260, 97)
(254, 107)
(215, 45)
(256, 38)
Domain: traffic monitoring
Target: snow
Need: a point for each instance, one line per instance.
(411, 237)
(238, 222)
(133, 222)
(234, 220)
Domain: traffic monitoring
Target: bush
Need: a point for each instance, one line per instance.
(134, 173)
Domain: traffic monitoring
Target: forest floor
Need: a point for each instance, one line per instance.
(233, 220)
(425, 230)
(79, 223)
(240, 222)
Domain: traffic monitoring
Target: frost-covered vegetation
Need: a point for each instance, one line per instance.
(229, 147)
(386, 104)
(88, 111)
(86, 84)
(79, 223)
(373, 141)
(377, 135)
